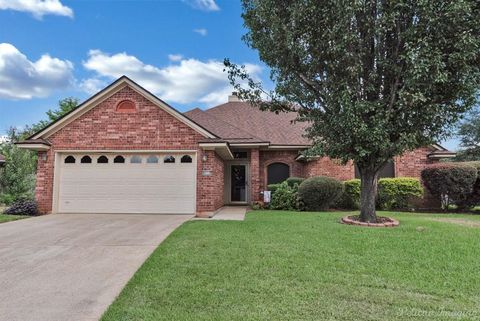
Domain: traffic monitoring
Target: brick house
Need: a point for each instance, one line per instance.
(126, 151)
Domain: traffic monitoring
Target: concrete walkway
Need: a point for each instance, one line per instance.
(71, 267)
(231, 213)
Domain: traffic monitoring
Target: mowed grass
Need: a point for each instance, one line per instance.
(7, 218)
(307, 266)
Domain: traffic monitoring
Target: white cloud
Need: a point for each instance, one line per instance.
(205, 5)
(21, 78)
(38, 8)
(216, 97)
(201, 31)
(187, 81)
(177, 57)
(93, 85)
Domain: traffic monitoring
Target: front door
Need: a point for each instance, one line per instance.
(238, 183)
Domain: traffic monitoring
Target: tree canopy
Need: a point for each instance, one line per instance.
(373, 78)
(17, 177)
(65, 106)
(469, 134)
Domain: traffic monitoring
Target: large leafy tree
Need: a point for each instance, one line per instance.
(17, 177)
(373, 78)
(469, 134)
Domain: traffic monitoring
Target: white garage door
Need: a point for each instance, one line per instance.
(127, 183)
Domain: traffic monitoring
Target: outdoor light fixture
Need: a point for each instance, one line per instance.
(204, 158)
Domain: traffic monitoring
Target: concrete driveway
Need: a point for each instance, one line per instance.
(71, 267)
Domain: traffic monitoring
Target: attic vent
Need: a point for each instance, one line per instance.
(126, 106)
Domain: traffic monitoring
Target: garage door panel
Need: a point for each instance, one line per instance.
(104, 193)
(126, 187)
(129, 206)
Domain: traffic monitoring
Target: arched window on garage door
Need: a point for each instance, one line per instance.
(102, 160)
(86, 160)
(277, 173)
(119, 159)
(70, 160)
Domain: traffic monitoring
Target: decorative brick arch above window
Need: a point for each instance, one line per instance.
(126, 106)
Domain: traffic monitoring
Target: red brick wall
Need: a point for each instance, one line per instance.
(44, 184)
(104, 128)
(325, 166)
(280, 156)
(209, 188)
(411, 163)
(149, 128)
(408, 165)
(255, 175)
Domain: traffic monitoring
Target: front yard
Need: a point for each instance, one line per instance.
(7, 218)
(307, 266)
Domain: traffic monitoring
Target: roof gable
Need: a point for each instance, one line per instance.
(107, 92)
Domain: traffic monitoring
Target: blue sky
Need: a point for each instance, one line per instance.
(66, 48)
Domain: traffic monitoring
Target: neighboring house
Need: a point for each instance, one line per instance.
(126, 151)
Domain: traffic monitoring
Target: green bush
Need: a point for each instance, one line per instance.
(291, 181)
(393, 193)
(451, 183)
(272, 187)
(397, 193)
(472, 199)
(350, 198)
(284, 197)
(17, 179)
(8, 199)
(318, 193)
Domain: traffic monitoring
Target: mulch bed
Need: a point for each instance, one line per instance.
(382, 221)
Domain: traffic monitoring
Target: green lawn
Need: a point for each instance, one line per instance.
(307, 266)
(7, 218)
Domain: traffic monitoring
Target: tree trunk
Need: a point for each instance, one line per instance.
(368, 195)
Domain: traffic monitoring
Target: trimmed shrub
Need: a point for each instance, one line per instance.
(272, 187)
(284, 197)
(318, 193)
(472, 199)
(291, 181)
(22, 207)
(350, 198)
(398, 193)
(451, 183)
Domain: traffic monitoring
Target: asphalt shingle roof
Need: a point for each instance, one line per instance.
(240, 120)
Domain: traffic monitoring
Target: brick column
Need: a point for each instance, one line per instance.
(210, 179)
(44, 183)
(254, 175)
